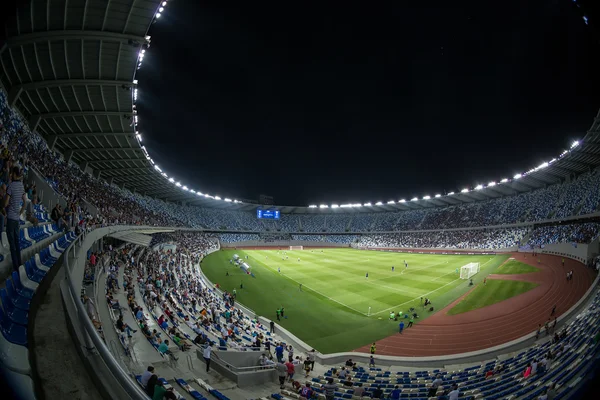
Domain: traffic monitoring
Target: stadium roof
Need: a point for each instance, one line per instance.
(71, 73)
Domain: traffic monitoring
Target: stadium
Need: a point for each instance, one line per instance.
(121, 282)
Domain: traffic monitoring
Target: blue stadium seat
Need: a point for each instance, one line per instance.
(16, 315)
(33, 272)
(17, 301)
(14, 333)
(16, 284)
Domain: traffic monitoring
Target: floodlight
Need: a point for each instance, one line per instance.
(426, 197)
(379, 203)
(171, 180)
(438, 195)
(177, 184)
(164, 174)
(345, 205)
(135, 81)
(464, 190)
(335, 206)
(161, 9)
(391, 202)
(551, 161)
(367, 204)
(192, 190)
(504, 180)
(357, 205)
(575, 144)
(451, 193)
(156, 167)
(323, 206)
(157, 15)
(227, 200)
(199, 193)
(235, 201)
(312, 206)
(185, 188)
(164, 3)
(543, 165)
(217, 198)
(414, 199)
(492, 183)
(402, 201)
(478, 187)
(517, 176)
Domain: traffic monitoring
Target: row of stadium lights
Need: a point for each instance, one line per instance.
(379, 203)
(465, 190)
(138, 135)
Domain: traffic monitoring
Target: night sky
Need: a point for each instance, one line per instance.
(317, 102)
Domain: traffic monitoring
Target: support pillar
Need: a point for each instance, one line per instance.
(84, 165)
(110, 180)
(52, 141)
(14, 95)
(68, 156)
(96, 173)
(33, 122)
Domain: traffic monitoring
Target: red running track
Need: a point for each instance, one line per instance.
(443, 334)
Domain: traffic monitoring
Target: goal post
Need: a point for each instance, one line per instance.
(296, 247)
(467, 271)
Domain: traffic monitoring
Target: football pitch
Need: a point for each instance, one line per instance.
(338, 308)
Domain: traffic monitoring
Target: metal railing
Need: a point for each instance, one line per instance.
(93, 341)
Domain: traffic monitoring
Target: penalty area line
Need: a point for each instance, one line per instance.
(426, 294)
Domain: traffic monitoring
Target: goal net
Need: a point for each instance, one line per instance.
(467, 271)
(296, 247)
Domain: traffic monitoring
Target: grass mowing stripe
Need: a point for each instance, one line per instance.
(495, 291)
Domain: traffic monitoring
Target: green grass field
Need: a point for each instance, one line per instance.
(330, 313)
(516, 267)
(494, 291)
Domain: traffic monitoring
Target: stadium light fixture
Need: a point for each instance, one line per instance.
(312, 206)
(164, 3)
(356, 205)
(227, 200)
(379, 203)
(192, 191)
(156, 167)
(414, 199)
(157, 15)
(367, 204)
(450, 194)
(323, 206)
(575, 144)
(161, 9)
(438, 195)
(504, 180)
(199, 194)
(551, 161)
(465, 190)
(164, 174)
(492, 183)
(426, 197)
(171, 180)
(335, 206)
(543, 165)
(185, 188)
(346, 205)
(177, 184)
(402, 201)
(217, 198)
(391, 202)
(478, 187)
(517, 176)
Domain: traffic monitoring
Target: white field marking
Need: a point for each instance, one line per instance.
(415, 269)
(426, 294)
(316, 291)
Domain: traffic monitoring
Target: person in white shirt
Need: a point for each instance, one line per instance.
(146, 375)
(206, 355)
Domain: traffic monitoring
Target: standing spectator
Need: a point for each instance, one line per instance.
(329, 389)
(373, 348)
(272, 327)
(434, 386)
(290, 370)
(311, 357)
(206, 355)
(395, 394)
(281, 373)
(410, 321)
(401, 326)
(378, 392)
(14, 202)
(372, 362)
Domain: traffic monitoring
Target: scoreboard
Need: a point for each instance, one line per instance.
(267, 214)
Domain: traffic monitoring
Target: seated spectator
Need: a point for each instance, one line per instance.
(123, 327)
(146, 375)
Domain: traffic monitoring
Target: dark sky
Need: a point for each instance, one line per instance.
(318, 102)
